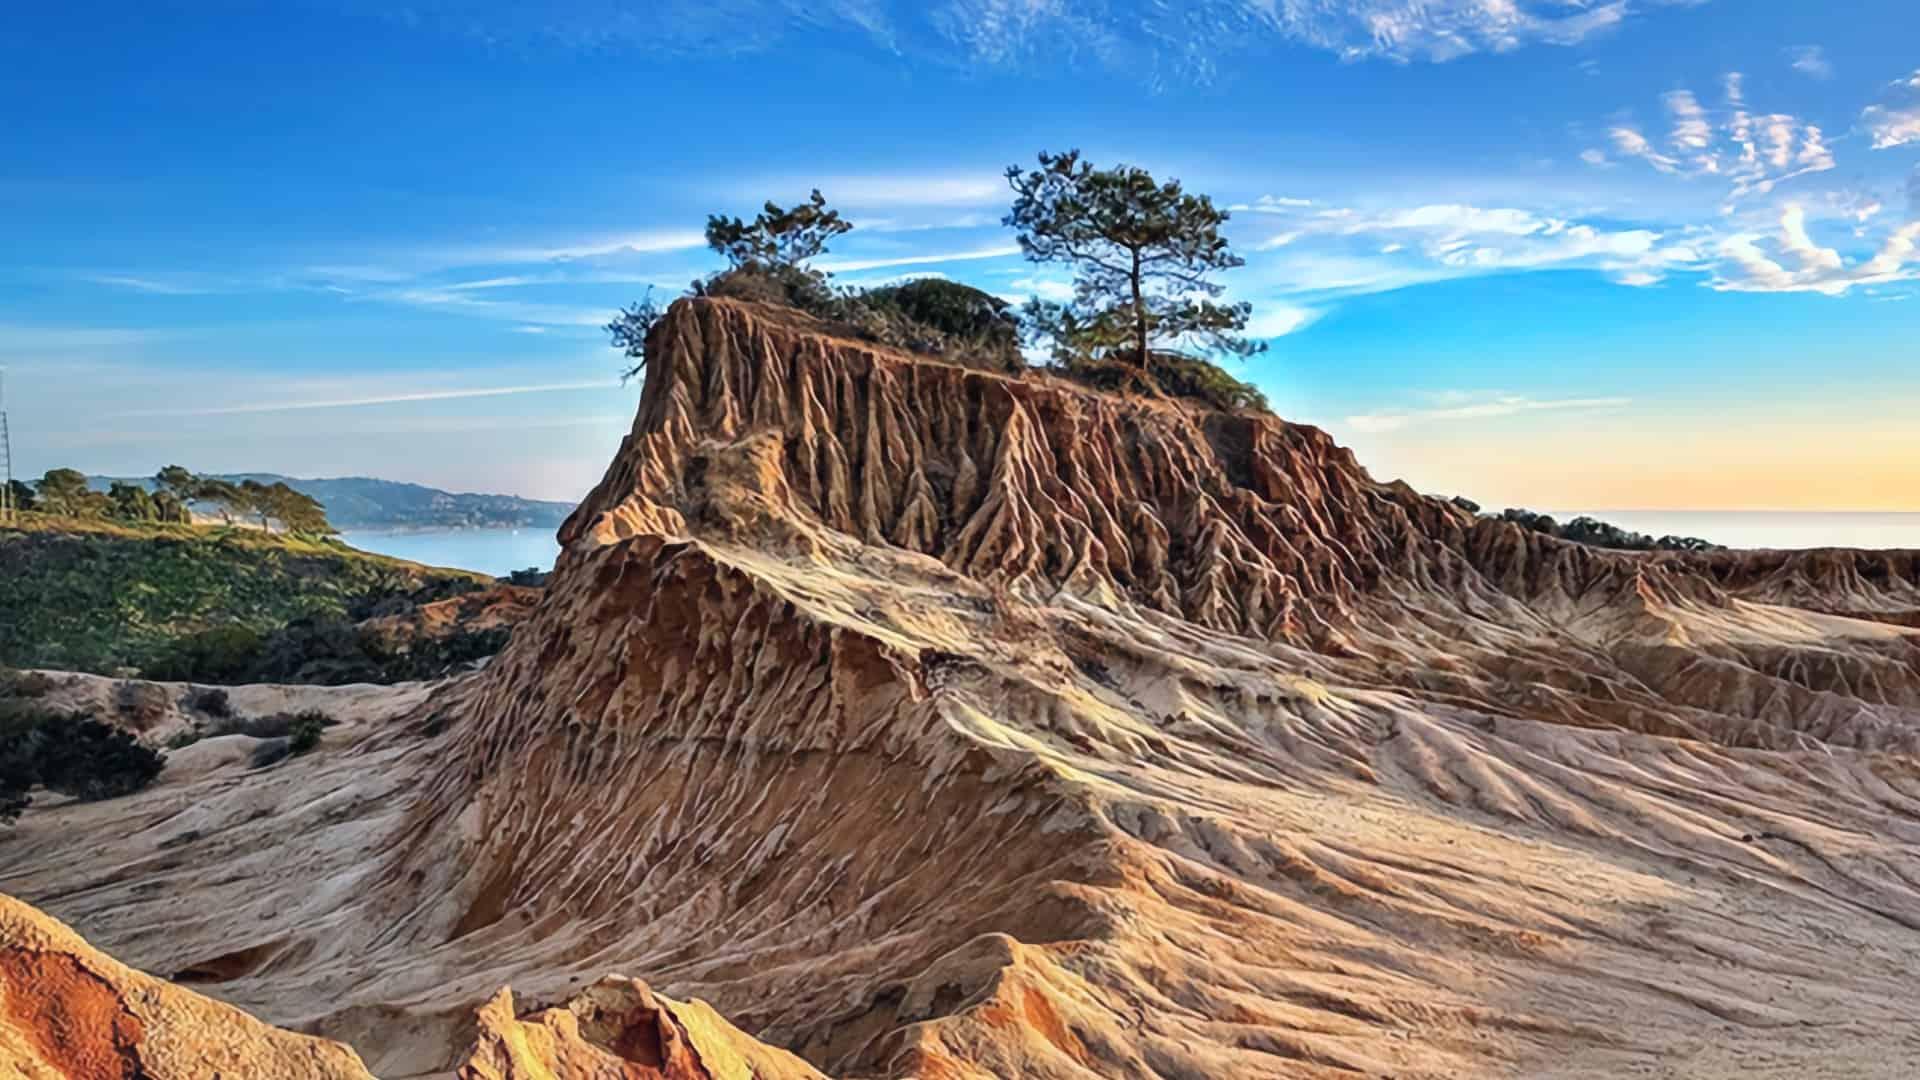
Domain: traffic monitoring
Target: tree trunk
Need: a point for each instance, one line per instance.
(1139, 316)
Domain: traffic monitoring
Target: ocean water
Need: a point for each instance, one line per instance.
(501, 551)
(490, 551)
(1766, 528)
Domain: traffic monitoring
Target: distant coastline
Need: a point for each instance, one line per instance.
(364, 504)
(495, 551)
(1773, 529)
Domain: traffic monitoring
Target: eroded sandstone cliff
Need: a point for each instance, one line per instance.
(931, 722)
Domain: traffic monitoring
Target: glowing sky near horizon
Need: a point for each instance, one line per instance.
(1542, 252)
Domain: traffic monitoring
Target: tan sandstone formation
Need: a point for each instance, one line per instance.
(67, 1012)
(618, 1029)
(933, 723)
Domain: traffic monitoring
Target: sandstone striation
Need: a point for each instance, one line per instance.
(929, 722)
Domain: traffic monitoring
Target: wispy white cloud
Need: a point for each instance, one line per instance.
(1020, 289)
(1690, 128)
(1810, 60)
(890, 191)
(1753, 153)
(849, 266)
(18, 338)
(1890, 125)
(1437, 30)
(464, 302)
(1857, 204)
(1471, 406)
(1275, 319)
(155, 285)
(1790, 260)
(645, 242)
(1159, 41)
(1349, 248)
(1629, 142)
(301, 404)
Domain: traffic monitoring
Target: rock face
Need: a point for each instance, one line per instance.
(618, 1029)
(67, 1012)
(933, 723)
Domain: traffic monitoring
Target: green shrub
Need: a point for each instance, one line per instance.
(942, 318)
(1171, 373)
(1596, 533)
(787, 286)
(212, 701)
(304, 733)
(72, 754)
(179, 603)
(220, 654)
(274, 725)
(288, 735)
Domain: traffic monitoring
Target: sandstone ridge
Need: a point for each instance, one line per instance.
(930, 722)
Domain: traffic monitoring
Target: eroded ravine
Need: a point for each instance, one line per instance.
(931, 722)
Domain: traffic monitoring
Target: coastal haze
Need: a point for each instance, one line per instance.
(500, 551)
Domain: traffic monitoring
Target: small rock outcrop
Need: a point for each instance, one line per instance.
(618, 1029)
(69, 1012)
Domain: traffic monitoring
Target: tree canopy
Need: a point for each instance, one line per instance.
(777, 236)
(22, 495)
(1143, 253)
(628, 332)
(276, 502)
(1145, 306)
(131, 502)
(65, 492)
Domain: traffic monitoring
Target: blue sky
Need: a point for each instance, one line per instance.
(1559, 253)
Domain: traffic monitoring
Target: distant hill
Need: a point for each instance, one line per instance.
(98, 596)
(364, 503)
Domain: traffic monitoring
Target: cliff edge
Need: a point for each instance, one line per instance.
(932, 722)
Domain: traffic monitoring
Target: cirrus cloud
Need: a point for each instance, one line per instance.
(1457, 405)
(1790, 260)
(1751, 151)
(1160, 40)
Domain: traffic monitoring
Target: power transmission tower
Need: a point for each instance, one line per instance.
(6, 455)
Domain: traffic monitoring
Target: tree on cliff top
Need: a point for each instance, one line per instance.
(1144, 253)
(767, 257)
(766, 261)
(628, 332)
(778, 237)
(296, 513)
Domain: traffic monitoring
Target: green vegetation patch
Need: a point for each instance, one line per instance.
(70, 754)
(101, 596)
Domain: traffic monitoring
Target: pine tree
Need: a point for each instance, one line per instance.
(1143, 253)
